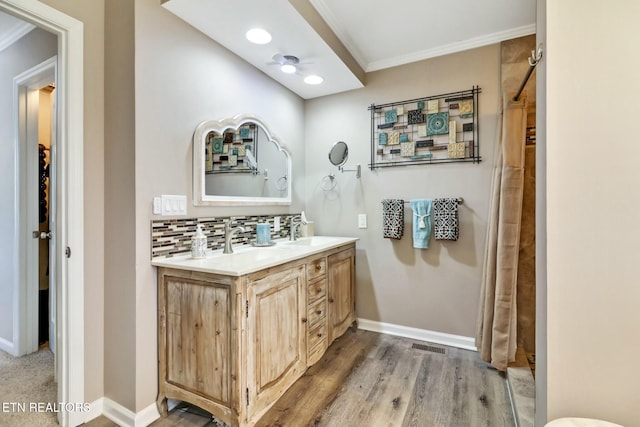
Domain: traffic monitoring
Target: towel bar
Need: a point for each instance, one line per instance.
(459, 199)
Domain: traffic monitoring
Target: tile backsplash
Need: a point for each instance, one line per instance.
(171, 237)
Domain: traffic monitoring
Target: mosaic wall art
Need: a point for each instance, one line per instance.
(433, 129)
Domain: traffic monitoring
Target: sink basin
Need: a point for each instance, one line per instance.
(312, 241)
(248, 254)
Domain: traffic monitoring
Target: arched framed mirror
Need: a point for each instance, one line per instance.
(239, 161)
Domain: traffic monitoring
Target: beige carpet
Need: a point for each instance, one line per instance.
(26, 386)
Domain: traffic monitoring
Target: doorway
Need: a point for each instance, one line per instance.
(67, 242)
(46, 210)
(35, 106)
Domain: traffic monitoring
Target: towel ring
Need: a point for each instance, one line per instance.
(281, 184)
(328, 182)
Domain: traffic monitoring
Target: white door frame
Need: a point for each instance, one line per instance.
(70, 188)
(26, 88)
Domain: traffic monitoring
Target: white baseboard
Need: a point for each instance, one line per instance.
(127, 418)
(6, 345)
(118, 413)
(458, 341)
(96, 408)
(147, 415)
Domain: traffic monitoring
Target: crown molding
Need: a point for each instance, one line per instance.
(472, 43)
(335, 26)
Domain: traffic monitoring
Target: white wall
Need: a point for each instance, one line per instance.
(435, 289)
(32, 49)
(182, 79)
(593, 236)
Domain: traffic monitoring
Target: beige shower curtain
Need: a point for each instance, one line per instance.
(496, 326)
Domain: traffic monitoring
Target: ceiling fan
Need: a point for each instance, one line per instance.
(288, 63)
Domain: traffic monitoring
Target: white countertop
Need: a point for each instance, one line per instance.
(247, 259)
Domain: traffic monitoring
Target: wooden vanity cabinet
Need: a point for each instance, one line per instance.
(233, 345)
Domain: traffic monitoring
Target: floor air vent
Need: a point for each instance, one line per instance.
(431, 348)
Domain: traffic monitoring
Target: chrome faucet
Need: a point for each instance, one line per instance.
(228, 235)
(296, 222)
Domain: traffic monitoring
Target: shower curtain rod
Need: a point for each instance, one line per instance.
(536, 56)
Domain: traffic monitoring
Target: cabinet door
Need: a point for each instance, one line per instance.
(276, 336)
(198, 338)
(341, 292)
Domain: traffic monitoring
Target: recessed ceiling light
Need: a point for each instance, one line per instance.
(258, 36)
(313, 80)
(288, 68)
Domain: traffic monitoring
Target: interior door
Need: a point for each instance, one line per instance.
(51, 120)
(52, 226)
(36, 127)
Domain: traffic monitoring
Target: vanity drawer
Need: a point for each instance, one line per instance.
(317, 290)
(316, 268)
(317, 311)
(315, 353)
(317, 334)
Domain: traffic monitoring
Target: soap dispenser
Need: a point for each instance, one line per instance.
(199, 243)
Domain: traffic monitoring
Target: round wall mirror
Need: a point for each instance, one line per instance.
(339, 153)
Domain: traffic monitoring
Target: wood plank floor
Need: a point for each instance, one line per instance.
(368, 380)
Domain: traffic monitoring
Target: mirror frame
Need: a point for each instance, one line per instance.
(200, 198)
(345, 156)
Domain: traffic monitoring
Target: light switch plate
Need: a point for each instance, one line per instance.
(157, 205)
(173, 205)
(362, 220)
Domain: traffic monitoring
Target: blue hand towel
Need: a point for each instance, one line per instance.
(422, 223)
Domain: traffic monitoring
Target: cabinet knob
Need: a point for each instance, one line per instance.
(304, 320)
(319, 335)
(318, 290)
(319, 312)
(331, 300)
(318, 267)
